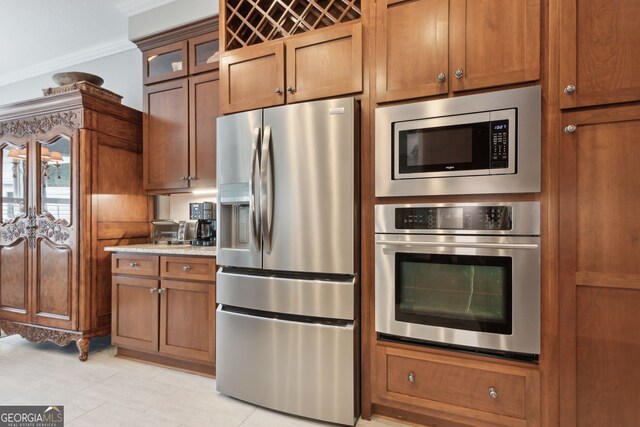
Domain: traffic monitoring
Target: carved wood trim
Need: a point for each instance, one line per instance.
(56, 230)
(41, 124)
(39, 335)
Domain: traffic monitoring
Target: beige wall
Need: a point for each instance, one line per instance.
(174, 14)
(122, 74)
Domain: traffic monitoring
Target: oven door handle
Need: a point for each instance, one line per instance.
(461, 244)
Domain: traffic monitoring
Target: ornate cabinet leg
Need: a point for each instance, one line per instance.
(83, 348)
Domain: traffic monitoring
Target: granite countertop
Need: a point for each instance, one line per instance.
(165, 249)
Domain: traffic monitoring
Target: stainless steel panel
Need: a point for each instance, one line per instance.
(313, 166)
(527, 179)
(301, 368)
(525, 253)
(525, 219)
(238, 140)
(318, 298)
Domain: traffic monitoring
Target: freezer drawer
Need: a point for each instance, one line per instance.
(305, 369)
(305, 297)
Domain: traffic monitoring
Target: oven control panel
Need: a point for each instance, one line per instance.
(475, 218)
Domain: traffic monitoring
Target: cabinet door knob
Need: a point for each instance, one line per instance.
(161, 291)
(569, 89)
(493, 393)
(459, 73)
(192, 178)
(570, 129)
(152, 290)
(442, 77)
(183, 178)
(278, 91)
(133, 264)
(290, 89)
(186, 268)
(411, 377)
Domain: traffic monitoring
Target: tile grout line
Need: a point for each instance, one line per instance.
(247, 417)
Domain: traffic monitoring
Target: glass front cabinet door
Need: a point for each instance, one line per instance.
(55, 206)
(14, 228)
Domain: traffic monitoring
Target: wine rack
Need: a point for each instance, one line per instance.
(250, 22)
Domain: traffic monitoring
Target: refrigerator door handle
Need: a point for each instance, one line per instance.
(255, 219)
(266, 189)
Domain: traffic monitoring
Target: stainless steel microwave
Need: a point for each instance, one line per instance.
(476, 144)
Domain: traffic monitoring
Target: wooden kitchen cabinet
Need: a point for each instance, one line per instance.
(182, 58)
(164, 310)
(252, 77)
(317, 64)
(494, 43)
(460, 391)
(412, 48)
(187, 320)
(599, 61)
(135, 321)
(430, 47)
(166, 135)
(72, 167)
(181, 109)
(599, 274)
(180, 133)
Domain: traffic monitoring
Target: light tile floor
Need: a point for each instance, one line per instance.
(111, 391)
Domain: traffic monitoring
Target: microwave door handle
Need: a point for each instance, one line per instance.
(255, 219)
(461, 245)
(266, 189)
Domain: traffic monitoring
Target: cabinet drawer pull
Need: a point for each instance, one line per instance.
(152, 290)
(133, 264)
(186, 268)
(411, 377)
(493, 393)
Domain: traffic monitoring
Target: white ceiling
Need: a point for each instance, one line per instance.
(39, 36)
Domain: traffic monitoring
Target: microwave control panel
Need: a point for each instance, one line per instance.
(499, 144)
(475, 218)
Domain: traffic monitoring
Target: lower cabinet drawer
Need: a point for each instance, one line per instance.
(139, 265)
(192, 268)
(432, 380)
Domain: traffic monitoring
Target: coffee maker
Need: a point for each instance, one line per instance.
(205, 214)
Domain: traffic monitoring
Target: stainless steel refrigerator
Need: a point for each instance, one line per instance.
(287, 321)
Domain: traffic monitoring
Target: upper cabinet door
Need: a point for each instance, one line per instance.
(412, 48)
(599, 60)
(203, 112)
(494, 42)
(204, 53)
(324, 63)
(166, 135)
(164, 63)
(252, 77)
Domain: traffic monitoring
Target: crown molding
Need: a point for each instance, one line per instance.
(68, 60)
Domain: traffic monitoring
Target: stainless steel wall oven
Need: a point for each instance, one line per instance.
(463, 274)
